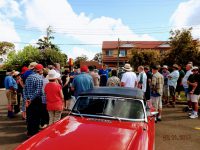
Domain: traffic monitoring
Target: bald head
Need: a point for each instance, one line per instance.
(140, 69)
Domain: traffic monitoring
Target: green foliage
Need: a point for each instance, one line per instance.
(46, 53)
(32, 54)
(6, 47)
(50, 56)
(45, 42)
(79, 59)
(147, 57)
(98, 57)
(23, 57)
(183, 48)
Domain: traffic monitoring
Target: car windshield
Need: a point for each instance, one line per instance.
(123, 108)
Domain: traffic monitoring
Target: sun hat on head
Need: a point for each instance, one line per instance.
(16, 73)
(146, 67)
(32, 65)
(39, 67)
(195, 68)
(127, 67)
(175, 66)
(165, 67)
(52, 74)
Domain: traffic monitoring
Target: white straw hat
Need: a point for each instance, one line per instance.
(127, 67)
(52, 74)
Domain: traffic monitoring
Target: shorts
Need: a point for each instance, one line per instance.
(12, 97)
(156, 102)
(172, 91)
(193, 97)
(166, 90)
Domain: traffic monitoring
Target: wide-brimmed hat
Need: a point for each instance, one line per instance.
(52, 74)
(175, 66)
(32, 65)
(195, 68)
(165, 67)
(127, 67)
(16, 73)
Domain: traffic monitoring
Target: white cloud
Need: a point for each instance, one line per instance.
(78, 51)
(60, 15)
(187, 15)
(9, 9)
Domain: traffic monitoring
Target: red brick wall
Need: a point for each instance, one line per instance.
(91, 63)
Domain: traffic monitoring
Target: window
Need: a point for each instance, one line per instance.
(109, 53)
(110, 106)
(122, 53)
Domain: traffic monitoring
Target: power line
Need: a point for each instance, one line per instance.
(114, 31)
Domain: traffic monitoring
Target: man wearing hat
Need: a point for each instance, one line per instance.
(157, 91)
(194, 91)
(11, 91)
(33, 93)
(165, 74)
(172, 82)
(129, 78)
(29, 71)
(82, 82)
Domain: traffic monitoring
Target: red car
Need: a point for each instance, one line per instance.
(101, 119)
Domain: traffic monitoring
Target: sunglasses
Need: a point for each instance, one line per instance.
(194, 70)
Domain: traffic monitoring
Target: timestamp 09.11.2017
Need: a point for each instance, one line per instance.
(174, 137)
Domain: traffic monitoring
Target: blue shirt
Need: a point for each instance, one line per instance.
(81, 83)
(33, 87)
(26, 74)
(104, 72)
(10, 82)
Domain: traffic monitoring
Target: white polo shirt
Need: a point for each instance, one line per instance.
(129, 79)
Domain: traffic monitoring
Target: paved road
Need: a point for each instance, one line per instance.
(175, 132)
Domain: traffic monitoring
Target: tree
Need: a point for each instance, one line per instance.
(98, 57)
(183, 48)
(79, 59)
(5, 48)
(23, 57)
(147, 57)
(50, 56)
(45, 42)
(32, 54)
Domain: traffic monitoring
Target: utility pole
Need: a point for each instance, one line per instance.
(118, 50)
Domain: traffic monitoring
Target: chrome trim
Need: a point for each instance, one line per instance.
(115, 118)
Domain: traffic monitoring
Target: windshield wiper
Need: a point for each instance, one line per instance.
(117, 118)
(78, 112)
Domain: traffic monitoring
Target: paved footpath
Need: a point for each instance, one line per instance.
(175, 132)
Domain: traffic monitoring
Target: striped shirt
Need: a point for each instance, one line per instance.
(157, 83)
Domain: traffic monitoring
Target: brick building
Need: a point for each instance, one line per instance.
(110, 50)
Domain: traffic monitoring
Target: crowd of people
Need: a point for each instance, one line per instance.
(46, 92)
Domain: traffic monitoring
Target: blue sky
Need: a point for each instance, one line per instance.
(77, 22)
